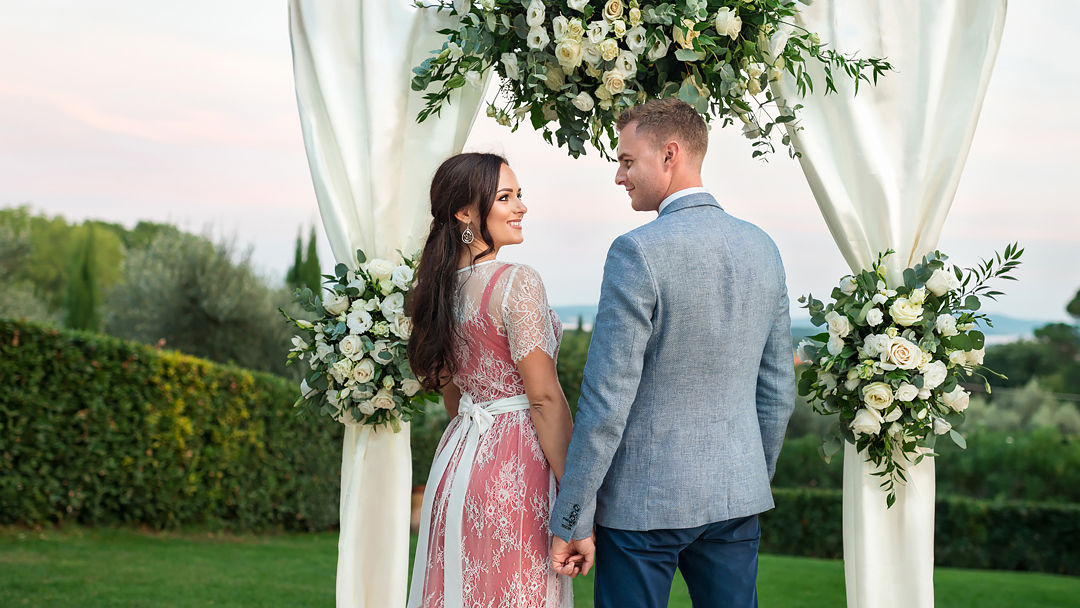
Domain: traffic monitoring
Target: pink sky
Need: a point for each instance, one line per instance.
(129, 110)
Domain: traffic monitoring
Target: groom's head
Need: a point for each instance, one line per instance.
(662, 144)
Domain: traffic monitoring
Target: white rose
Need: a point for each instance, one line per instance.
(359, 321)
(350, 346)
(834, 345)
(321, 350)
(685, 33)
(635, 40)
(635, 17)
(401, 326)
(378, 349)
(609, 49)
(839, 324)
(578, 5)
(866, 422)
(613, 81)
(941, 426)
(473, 78)
(924, 394)
(906, 392)
(410, 386)
(510, 66)
(618, 28)
(946, 325)
(728, 23)
(341, 370)
(393, 305)
(917, 296)
(402, 277)
(364, 371)
(335, 304)
(367, 408)
(380, 269)
(848, 285)
(569, 54)
(537, 38)
(384, 399)
(559, 27)
(933, 375)
(583, 102)
(575, 30)
(598, 30)
(877, 395)
(626, 64)
(613, 10)
(956, 399)
(659, 49)
(534, 15)
(874, 317)
(942, 282)
(590, 52)
(905, 354)
(905, 312)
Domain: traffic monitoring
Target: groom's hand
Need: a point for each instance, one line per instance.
(586, 549)
(564, 557)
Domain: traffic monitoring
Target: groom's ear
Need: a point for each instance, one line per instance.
(671, 152)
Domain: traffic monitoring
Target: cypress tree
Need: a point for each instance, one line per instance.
(312, 274)
(82, 291)
(292, 277)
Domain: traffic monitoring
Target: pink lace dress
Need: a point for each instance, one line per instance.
(495, 495)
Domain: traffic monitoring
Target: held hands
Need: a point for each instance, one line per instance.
(574, 557)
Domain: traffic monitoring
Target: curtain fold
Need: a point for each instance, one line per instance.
(371, 165)
(884, 166)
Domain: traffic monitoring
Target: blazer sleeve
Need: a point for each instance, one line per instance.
(776, 381)
(623, 327)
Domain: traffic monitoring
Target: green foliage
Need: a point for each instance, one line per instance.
(1073, 307)
(83, 299)
(426, 432)
(968, 533)
(311, 275)
(292, 276)
(570, 366)
(101, 431)
(18, 299)
(190, 293)
(1026, 408)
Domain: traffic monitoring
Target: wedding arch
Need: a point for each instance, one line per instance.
(883, 165)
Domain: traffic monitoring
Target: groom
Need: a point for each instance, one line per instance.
(688, 387)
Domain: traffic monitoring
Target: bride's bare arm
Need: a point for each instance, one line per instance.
(548, 408)
(451, 395)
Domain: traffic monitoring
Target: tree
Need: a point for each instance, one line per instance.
(292, 277)
(1073, 308)
(82, 295)
(312, 277)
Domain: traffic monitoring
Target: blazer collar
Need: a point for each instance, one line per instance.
(690, 200)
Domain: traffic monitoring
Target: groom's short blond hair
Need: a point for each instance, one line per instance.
(669, 119)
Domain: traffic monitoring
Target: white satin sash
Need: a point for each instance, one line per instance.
(477, 419)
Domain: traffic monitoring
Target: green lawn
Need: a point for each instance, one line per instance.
(95, 567)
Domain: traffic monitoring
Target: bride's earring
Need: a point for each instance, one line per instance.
(467, 236)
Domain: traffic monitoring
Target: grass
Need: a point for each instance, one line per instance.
(105, 567)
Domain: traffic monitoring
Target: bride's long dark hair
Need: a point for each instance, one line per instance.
(462, 180)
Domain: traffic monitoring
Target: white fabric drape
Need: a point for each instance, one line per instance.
(371, 165)
(884, 166)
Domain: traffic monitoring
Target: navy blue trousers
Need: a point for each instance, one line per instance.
(718, 561)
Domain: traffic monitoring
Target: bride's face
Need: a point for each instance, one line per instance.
(504, 218)
(641, 169)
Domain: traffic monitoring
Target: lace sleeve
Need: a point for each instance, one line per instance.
(525, 315)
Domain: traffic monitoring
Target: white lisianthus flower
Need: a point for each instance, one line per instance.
(728, 23)
(635, 17)
(906, 392)
(393, 305)
(853, 380)
(635, 40)
(350, 347)
(335, 304)
(877, 395)
(363, 371)
(454, 51)
(684, 34)
(410, 386)
(569, 54)
(893, 416)
(359, 321)
(613, 10)
(341, 370)
(934, 374)
(378, 350)
(956, 399)
(383, 400)
(510, 66)
(401, 326)
(975, 357)
(298, 344)
(305, 390)
(905, 312)
(874, 317)
(946, 325)
(839, 324)
(835, 344)
(537, 38)
(905, 354)
(367, 408)
(474, 78)
(777, 43)
(598, 31)
(590, 52)
(302, 324)
(402, 277)
(609, 50)
(559, 27)
(321, 350)
(626, 64)
(867, 422)
(614, 81)
(578, 5)
(941, 426)
(380, 269)
(942, 282)
(879, 299)
(534, 14)
(583, 102)
(659, 49)
(917, 296)
(827, 382)
(958, 357)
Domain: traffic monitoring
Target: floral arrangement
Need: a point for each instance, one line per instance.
(571, 67)
(356, 345)
(891, 362)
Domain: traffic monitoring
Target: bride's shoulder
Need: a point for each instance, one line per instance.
(522, 279)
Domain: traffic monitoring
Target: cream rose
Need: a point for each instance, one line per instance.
(569, 54)
(614, 81)
(609, 49)
(904, 354)
(956, 399)
(401, 326)
(613, 10)
(350, 346)
(942, 282)
(877, 395)
(380, 269)
(583, 102)
(839, 325)
(335, 304)
(905, 312)
(934, 374)
(364, 371)
(576, 30)
(384, 399)
(410, 386)
(906, 392)
(866, 422)
(635, 17)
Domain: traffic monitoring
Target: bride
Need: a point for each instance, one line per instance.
(485, 337)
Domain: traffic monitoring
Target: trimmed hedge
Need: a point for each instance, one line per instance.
(101, 431)
(968, 533)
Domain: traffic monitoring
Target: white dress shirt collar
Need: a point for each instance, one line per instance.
(681, 193)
